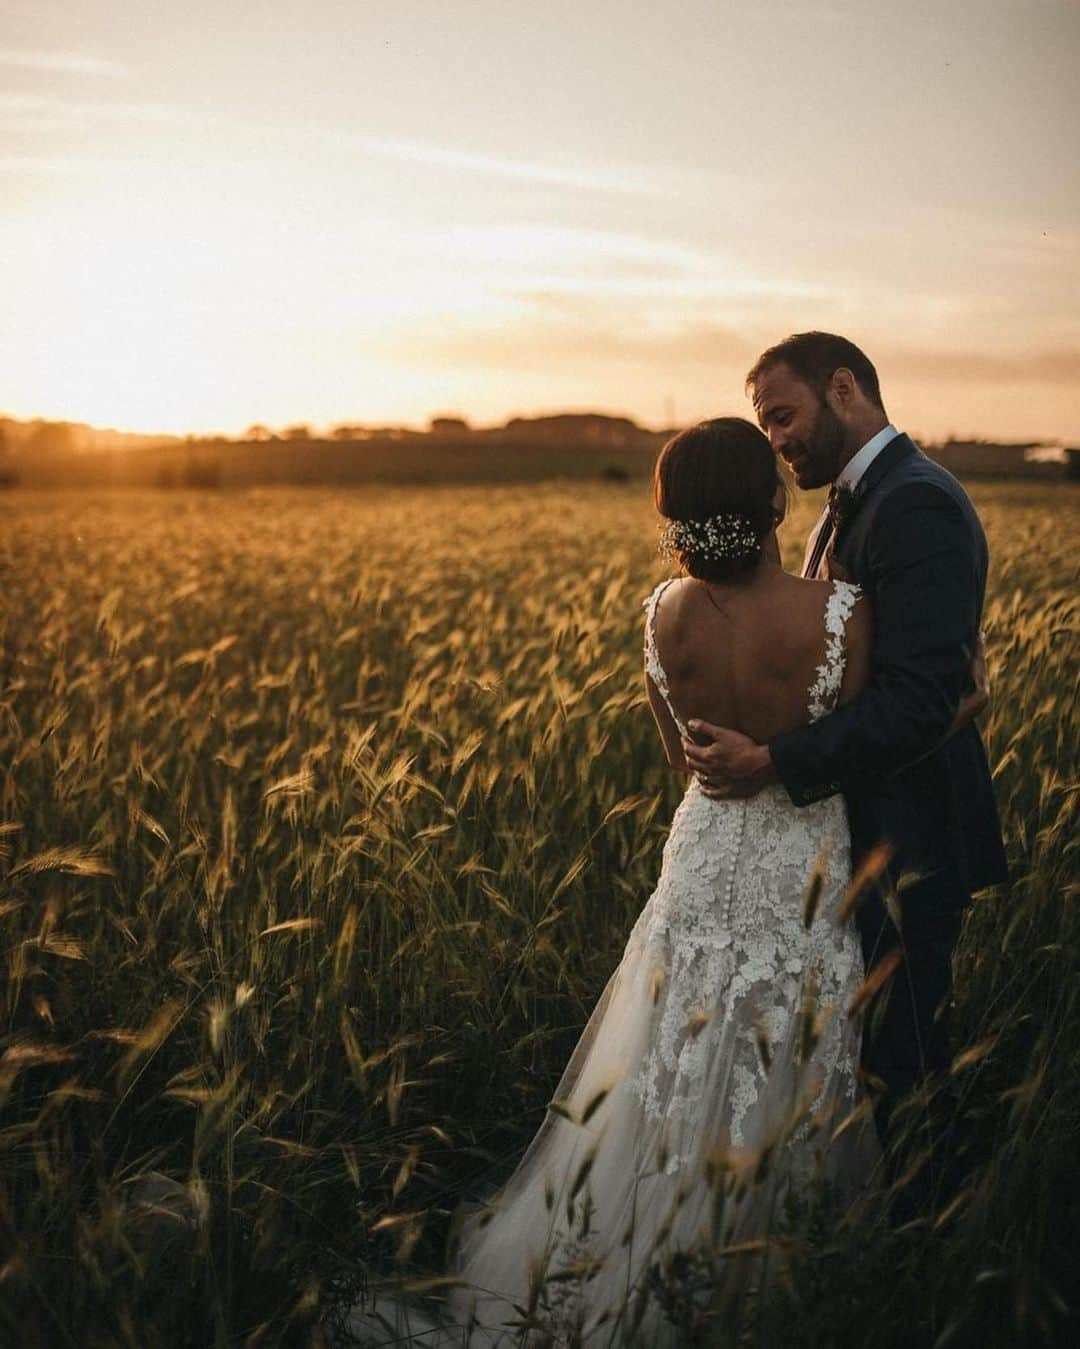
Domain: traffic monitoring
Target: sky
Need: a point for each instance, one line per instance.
(371, 211)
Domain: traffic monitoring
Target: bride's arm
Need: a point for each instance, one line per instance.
(669, 732)
(858, 638)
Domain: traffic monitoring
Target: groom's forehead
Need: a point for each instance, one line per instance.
(775, 385)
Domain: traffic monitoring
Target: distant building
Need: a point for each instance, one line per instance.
(448, 426)
(986, 459)
(590, 428)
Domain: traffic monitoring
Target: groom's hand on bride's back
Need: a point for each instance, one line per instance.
(976, 700)
(727, 763)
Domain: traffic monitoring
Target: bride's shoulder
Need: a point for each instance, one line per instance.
(831, 594)
(836, 604)
(653, 598)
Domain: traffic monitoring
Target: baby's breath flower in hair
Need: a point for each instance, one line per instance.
(729, 536)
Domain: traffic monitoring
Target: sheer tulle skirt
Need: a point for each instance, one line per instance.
(711, 1094)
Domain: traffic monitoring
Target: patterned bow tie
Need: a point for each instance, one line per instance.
(841, 505)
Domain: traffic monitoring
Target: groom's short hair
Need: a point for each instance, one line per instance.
(815, 358)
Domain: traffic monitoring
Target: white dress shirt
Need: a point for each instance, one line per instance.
(849, 476)
(857, 465)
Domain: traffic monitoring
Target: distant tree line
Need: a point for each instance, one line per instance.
(563, 445)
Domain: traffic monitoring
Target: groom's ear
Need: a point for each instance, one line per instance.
(842, 389)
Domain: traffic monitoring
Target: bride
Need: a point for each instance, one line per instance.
(713, 1092)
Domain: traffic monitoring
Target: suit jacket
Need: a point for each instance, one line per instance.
(914, 543)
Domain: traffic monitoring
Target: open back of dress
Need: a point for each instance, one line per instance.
(669, 1131)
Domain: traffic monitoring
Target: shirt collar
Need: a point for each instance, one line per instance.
(857, 465)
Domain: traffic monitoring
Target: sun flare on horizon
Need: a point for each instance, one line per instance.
(370, 215)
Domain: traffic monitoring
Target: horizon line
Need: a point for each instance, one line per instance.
(324, 430)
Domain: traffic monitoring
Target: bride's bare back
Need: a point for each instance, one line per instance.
(745, 655)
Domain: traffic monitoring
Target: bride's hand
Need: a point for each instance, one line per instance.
(730, 764)
(975, 702)
(971, 704)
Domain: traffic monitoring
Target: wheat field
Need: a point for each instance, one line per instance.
(324, 817)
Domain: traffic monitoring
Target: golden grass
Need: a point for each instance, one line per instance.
(323, 820)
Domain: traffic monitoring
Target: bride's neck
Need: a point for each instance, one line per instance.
(767, 569)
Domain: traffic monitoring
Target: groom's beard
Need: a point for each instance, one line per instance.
(822, 450)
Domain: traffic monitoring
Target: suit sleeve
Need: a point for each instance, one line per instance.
(925, 590)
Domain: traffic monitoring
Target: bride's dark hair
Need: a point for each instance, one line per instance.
(721, 471)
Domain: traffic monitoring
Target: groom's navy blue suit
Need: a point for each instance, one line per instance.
(913, 542)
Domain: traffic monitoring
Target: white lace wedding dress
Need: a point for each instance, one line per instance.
(669, 1131)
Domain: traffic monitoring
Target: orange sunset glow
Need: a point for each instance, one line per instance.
(216, 214)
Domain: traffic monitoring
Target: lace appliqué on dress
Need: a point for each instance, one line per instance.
(724, 935)
(655, 670)
(830, 673)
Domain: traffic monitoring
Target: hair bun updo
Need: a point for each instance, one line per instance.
(715, 483)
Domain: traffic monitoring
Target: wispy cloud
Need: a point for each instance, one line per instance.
(39, 165)
(799, 11)
(522, 260)
(36, 111)
(1061, 367)
(521, 345)
(625, 179)
(61, 62)
(50, 110)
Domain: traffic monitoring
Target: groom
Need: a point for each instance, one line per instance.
(904, 529)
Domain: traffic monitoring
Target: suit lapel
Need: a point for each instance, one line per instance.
(897, 449)
(823, 539)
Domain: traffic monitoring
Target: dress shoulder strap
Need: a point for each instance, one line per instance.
(830, 673)
(652, 658)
